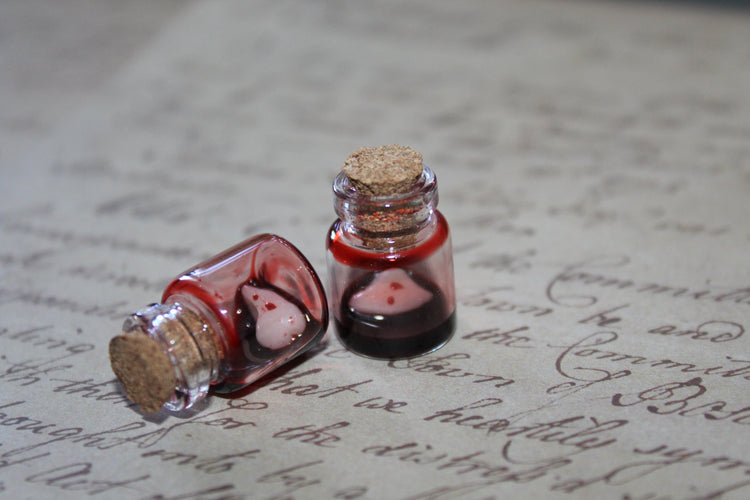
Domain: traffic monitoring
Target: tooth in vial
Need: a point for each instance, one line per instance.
(390, 292)
(278, 322)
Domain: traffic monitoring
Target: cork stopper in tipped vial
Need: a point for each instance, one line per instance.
(144, 370)
(383, 170)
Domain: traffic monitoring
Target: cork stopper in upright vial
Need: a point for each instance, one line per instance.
(383, 170)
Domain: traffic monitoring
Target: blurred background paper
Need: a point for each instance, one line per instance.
(592, 159)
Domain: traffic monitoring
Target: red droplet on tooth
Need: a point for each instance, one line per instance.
(391, 300)
(395, 285)
(270, 306)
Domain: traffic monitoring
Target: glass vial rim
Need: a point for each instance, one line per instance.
(423, 190)
(186, 334)
(386, 217)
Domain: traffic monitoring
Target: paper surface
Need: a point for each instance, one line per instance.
(592, 160)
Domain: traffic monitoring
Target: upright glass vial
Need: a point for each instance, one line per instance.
(390, 263)
(223, 323)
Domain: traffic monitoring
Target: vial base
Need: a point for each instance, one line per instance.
(398, 335)
(250, 359)
(258, 360)
(364, 339)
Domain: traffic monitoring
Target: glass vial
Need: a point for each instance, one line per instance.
(223, 324)
(390, 263)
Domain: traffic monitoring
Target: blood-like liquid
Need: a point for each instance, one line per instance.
(230, 320)
(390, 336)
(251, 354)
(348, 255)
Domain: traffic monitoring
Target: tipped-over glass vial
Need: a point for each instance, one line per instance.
(222, 324)
(390, 262)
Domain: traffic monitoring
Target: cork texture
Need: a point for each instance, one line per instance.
(383, 170)
(144, 370)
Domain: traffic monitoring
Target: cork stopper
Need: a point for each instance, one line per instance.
(144, 370)
(383, 170)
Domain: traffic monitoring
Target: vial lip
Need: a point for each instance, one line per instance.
(425, 185)
(384, 215)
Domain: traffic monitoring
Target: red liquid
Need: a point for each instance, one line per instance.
(251, 354)
(367, 259)
(411, 333)
(267, 262)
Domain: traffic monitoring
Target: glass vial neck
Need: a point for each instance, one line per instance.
(181, 340)
(386, 222)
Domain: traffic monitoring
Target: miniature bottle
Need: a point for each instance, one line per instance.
(390, 263)
(222, 324)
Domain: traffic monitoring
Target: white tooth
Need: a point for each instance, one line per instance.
(391, 292)
(277, 321)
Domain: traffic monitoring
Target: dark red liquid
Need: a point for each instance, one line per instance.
(215, 286)
(348, 255)
(411, 333)
(250, 354)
